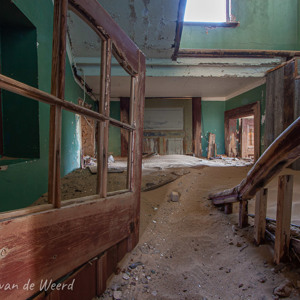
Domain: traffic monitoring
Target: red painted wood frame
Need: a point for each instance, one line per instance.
(1, 124)
(51, 240)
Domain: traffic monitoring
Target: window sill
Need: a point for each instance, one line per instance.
(4, 161)
(213, 24)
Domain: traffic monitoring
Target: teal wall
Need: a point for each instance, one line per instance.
(23, 183)
(264, 24)
(213, 121)
(20, 115)
(254, 95)
(114, 141)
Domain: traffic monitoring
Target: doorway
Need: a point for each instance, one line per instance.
(242, 131)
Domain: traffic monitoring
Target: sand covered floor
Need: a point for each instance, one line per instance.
(191, 250)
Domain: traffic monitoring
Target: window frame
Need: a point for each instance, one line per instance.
(228, 23)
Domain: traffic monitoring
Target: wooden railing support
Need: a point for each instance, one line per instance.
(228, 208)
(260, 216)
(283, 217)
(280, 154)
(243, 214)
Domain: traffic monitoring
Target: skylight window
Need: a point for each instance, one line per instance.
(206, 11)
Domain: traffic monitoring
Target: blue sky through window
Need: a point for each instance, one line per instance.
(205, 11)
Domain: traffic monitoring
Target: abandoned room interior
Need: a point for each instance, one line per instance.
(149, 149)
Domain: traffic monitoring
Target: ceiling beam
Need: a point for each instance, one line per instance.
(179, 27)
(237, 53)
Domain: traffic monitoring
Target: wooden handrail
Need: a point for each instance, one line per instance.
(282, 152)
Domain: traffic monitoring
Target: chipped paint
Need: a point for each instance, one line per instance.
(133, 19)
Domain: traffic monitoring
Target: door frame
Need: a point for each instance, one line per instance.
(252, 109)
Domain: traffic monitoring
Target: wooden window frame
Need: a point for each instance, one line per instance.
(133, 62)
(52, 240)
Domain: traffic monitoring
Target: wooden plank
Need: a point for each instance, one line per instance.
(179, 27)
(102, 274)
(243, 214)
(95, 16)
(124, 117)
(289, 94)
(122, 249)
(100, 127)
(112, 260)
(24, 211)
(277, 105)
(281, 153)
(211, 145)
(256, 131)
(236, 53)
(58, 90)
(103, 127)
(283, 217)
(130, 150)
(61, 240)
(196, 119)
(81, 285)
(27, 91)
(269, 115)
(228, 209)
(260, 216)
(137, 151)
(296, 164)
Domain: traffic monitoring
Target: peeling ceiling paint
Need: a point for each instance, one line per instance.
(152, 25)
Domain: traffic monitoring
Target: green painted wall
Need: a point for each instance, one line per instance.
(114, 142)
(20, 115)
(264, 24)
(254, 95)
(213, 121)
(23, 183)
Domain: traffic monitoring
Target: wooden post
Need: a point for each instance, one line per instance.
(196, 119)
(58, 90)
(283, 217)
(103, 127)
(136, 151)
(130, 135)
(228, 209)
(179, 28)
(289, 94)
(260, 216)
(243, 214)
(211, 151)
(124, 116)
